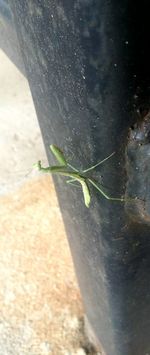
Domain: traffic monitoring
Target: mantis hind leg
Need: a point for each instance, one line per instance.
(122, 199)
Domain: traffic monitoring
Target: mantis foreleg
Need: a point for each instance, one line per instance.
(61, 170)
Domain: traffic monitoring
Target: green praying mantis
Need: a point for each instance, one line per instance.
(66, 169)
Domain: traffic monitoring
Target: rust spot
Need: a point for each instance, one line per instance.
(140, 132)
(138, 170)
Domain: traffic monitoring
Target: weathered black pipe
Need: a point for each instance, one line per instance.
(87, 63)
(8, 37)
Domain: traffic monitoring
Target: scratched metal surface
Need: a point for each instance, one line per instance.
(88, 69)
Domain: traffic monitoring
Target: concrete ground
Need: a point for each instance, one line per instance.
(41, 312)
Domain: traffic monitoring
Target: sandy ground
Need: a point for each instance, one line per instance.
(41, 311)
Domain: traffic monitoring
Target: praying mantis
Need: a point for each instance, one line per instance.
(66, 169)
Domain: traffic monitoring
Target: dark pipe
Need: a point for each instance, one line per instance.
(87, 63)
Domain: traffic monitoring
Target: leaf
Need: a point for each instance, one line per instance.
(59, 155)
